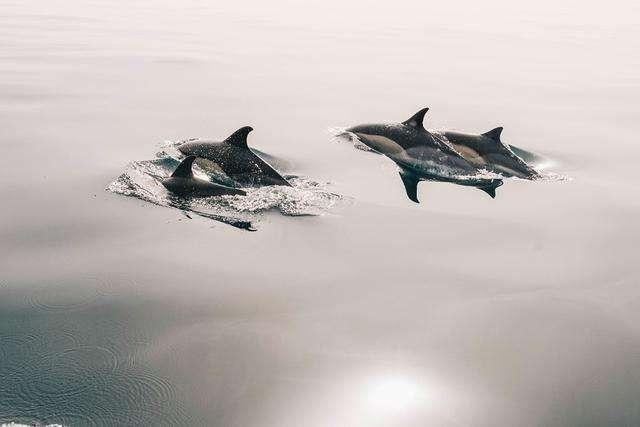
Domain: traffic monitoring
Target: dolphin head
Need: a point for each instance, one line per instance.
(360, 135)
(391, 138)
(369, 129)
(380, 138)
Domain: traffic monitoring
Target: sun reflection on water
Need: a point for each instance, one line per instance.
(394, 395)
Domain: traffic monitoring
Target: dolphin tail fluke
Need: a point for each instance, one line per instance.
(184, 168)
(490, 188)
(410, 182)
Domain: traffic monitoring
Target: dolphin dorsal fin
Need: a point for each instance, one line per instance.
(494, 134)
(184, 168)
(239, 137)
(417, 119)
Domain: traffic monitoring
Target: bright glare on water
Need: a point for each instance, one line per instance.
(389, 395)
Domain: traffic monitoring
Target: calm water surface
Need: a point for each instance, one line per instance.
(462, 310)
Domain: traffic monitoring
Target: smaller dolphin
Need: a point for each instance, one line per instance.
(233, 157)
(183, 183)
(421, 156)
(487, 151)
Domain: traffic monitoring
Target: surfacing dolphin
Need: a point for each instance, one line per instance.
(233, 157)
(487, 151)
(183, 183)
(421, 156)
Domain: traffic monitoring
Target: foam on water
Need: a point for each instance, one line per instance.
(142, 179)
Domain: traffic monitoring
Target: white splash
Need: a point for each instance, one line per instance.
(142, 179)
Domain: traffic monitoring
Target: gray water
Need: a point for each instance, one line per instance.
(462, 310)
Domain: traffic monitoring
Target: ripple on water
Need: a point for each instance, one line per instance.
(89, 386)
(120, 335)
(31, 424)
(139, 396)
(114, 286)
(62, 298)
(151, 388)
(63, 376)
(137, 417)
(13, 347)
(71, 418)
(17, 342)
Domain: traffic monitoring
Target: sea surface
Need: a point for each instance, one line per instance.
(348, 305)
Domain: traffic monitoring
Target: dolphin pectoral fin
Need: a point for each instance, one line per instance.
(410, 182)
(490, 188)
(417, 119)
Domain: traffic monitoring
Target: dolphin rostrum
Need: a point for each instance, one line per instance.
(421, 156)
(183, 183)
(233, 157)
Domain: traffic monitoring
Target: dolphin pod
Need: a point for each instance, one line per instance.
(454, 157)
(421, 155)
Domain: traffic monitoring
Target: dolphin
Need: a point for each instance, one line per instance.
(421, 156)
(487, 151)
(233, 157)
(183, 183)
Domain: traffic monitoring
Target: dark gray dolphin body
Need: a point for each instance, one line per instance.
(233, 157)
(421, 156)
(183, 183)
(486, 151)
